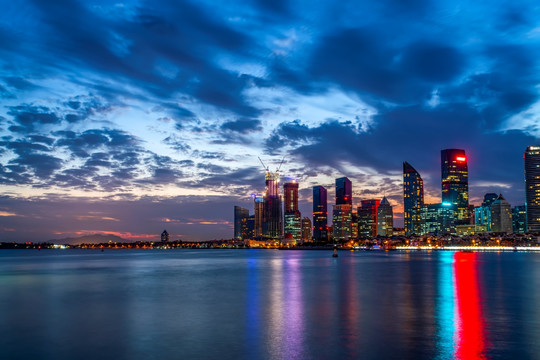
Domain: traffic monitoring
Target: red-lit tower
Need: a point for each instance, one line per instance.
(455, 182)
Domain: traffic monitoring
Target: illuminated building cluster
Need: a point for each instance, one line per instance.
(454, 215)
(374, 217)
(532, 188)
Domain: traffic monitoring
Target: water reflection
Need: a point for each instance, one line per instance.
(445, 306)
(469, 334)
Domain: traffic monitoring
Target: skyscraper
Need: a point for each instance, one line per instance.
(320, 214)
(438, 219)
(343, 191)
(240, 214)
(367, 218)
(341, 221)
(385, 218)
(501, 216)
(258, 200)
(306, 229)
(532, 188)
(482, 214)
(272, 219)
(519, 219)
(455, 182)
(413, 199)
(292, 218)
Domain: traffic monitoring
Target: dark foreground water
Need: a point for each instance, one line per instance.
(268, 304)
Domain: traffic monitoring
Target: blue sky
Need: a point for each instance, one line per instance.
(131, 117)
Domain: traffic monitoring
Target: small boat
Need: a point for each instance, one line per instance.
(335, 252)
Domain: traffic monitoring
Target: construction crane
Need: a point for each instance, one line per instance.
(266, 168)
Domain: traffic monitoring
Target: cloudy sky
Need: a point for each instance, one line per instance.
(133, 117)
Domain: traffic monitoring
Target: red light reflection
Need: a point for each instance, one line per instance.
(470, 334)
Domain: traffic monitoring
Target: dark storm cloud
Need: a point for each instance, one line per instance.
(27, 117)
(432, 62)
(32, 161)
(242, 125)
(81, 143)
(165, 49)
(366, 60)
(18, 83)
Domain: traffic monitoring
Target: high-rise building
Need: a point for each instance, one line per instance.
(354, 226)
(292, 217)
(164, 236)
(258, 201)
(306, 229)
(343, 191)
(240, 214)
(489, 198)
(367, 218)
(272, 214)
(413, 199)
(438, 219)
(248, 231)
(320, 214)
(501, 216)
(482, 214)
(532, 188)
(519, 219)
(455, 182)
(385, 218)
(341, 221)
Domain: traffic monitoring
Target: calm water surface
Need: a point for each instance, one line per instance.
(268, 304)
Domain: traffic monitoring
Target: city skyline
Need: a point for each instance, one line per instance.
(130, 118)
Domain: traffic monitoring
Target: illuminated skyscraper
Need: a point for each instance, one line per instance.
(385, 218)
(320, 214)
(292, 218)
(455, 182)
(367, 218)
(482, 214)
(532, 188)
(438, 219)
(413, 199)
(306, 229)
(341, 221)
(343, 191)
(240, 215)
(258, 220)
(519, 219)
(501, 216)
(272, 219)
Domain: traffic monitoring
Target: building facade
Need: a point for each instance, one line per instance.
(532, 188)
(341, 222)
(519, 219)
(292, 218)
(413, 199)
(320, 214)
(455, 182)
(306, 229)
(240, 216)
(272, 225)
(501, 216)
(385, 218)
(343, 191)
(367, 218)
(438, 219)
